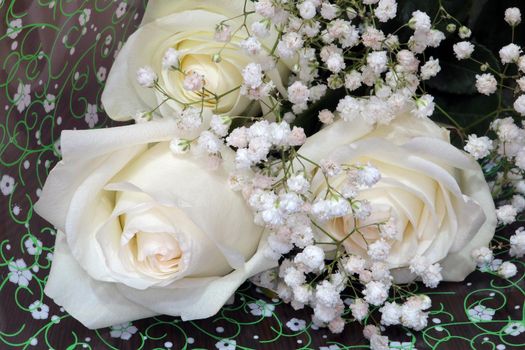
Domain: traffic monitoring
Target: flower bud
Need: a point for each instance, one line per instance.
(451, 27)
(335, 82)
(216, 58)
(464, 32)
(351, 13)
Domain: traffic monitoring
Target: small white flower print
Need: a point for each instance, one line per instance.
(296, 324)
(33, 246)
(57, 147)
(18, 273)
(101, 73)
(83, 18)
(91, 116)
(331, 347)
(123, 331)
(7, 185)
(16, 210)
(261, 308)
(481, 313)
(14, 27)
(39, 310)
(121, 9)
(514, 329)
(108, 39)
(49, 103)
(226, 344)
(23, 96)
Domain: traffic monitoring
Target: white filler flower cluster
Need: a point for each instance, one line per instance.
(334, 46)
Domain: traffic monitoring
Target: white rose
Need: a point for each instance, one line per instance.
(436, 193)
(142, 231)
(189, 28)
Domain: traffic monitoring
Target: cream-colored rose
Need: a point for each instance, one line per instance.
(188, 27)
(436, 193)
(143, 232)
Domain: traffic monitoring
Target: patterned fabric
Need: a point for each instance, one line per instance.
(55, 58)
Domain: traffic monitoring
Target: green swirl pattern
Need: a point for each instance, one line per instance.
(55, 56)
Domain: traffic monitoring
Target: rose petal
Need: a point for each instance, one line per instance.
(204, 301)
(95, 304)
(458, 212)
(227, 216)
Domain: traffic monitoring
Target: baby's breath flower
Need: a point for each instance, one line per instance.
(223, 32)
(252, 75)
(510, 53)
(521, 83)
(506, 214)
(390, 314)
(209, 142)
(430, 69)
(220, 125)
(354, 264)
(146, 77)
(513, 16)
(307, 9)
(311, 259)
(289, 44)
(329, 11)
(420, 21)
(463, 50)
(486, 84)
(386, 10)
(517, 243)
(251, 46)
(482, 256)
(171, 59)
(375, 293)
(298, 93)
(193, 81)
(349, 108)
(424, 106)
(190, 119)
(359, 309)
(519, 105)
(432, 276)
(261, 29)
(298, 184)
(326, 117)
(478, 147)
(379, 250)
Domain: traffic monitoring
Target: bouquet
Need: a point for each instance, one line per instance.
(297, 144)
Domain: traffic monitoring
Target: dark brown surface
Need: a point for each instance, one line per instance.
(72, 69)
